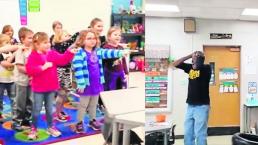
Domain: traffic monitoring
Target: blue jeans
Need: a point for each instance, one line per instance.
(196, 124)
(38, 99)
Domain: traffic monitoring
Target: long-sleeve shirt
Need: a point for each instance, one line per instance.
(46, 80)
(80, 66)
(63, 46)
(108, 63)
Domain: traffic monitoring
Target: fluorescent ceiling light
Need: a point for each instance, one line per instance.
(250, 12)
(160, 7)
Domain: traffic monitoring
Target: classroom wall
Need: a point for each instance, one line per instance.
(75, 15)
(171, 31)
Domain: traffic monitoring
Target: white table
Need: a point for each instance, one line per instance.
(129, 121)
(119, 102)
(136, 79)
(123, 101)
(159, 127)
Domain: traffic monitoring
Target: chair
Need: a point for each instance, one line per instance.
(157, 137)
(244, 139)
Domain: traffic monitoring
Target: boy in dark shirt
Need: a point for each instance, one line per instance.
(198, 100)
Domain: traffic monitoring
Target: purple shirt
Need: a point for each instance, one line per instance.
(93, 66)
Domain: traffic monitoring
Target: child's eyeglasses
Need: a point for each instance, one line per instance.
(94, 38)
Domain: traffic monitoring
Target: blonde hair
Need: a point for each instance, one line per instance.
(111, 30)
(38, 38)
(4, 39)
(23, 32)
(55, 23)
(94, 22)
(82, 36)
(58, 36)
(7, 28)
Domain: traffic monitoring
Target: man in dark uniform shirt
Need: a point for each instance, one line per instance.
(198, 100)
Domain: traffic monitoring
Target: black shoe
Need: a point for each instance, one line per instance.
(26, 124)
(17, 126)
(1, 118)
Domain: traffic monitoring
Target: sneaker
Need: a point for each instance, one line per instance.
(61, 118)
(62, 113)
(53, 131)
(102, 120)
(17, 126)
(79, 127)
(1, 117)
(33, 134)
(94, 125)
(25, 124)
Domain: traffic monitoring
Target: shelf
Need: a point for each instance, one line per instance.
(132, 34)
(132, 70)
(138, 53)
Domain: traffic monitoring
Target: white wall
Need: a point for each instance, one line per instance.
(75, 15)
(10, 14)
(171, 31)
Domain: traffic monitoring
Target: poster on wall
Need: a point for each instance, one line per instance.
(157, 96)
(156, 81)
(228, 78)
(124, 6)
(23, 11)
(34, 5)
(252, 88)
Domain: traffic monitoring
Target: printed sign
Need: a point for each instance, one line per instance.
(34, 5)
(23, 12)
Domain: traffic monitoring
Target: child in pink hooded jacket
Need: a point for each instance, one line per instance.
(42, 68)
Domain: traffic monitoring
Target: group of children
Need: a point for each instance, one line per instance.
(38, 70)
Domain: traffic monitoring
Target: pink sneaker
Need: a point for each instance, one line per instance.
(94, 125)
(61, 118)
(53, 132)
(33, 135)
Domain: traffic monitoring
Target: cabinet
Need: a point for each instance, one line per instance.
(133, 34)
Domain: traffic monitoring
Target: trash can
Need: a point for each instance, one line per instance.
(244, 139)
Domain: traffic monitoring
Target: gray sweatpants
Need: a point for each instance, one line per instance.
(87, 103)
(24, 102)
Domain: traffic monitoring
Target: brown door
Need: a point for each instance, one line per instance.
(224, 91)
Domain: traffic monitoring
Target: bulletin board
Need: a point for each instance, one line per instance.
(158, 79)
(117, 5)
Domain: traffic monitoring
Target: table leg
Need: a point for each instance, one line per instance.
(126, 135)
(165, 137)
(115, 134)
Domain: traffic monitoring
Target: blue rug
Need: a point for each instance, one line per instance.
(11, 137)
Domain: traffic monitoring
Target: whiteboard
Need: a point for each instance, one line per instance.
(10, 15)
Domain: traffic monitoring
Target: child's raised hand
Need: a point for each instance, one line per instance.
(47, 65)
(73, 50)
(126, 52)
(22, 47)
(80, 90)
(116, 62)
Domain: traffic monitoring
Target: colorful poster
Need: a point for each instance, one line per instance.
(23, 12)
(156, 82)
(228, 80)
(118, 6)
(252, 87)
(34, 5)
